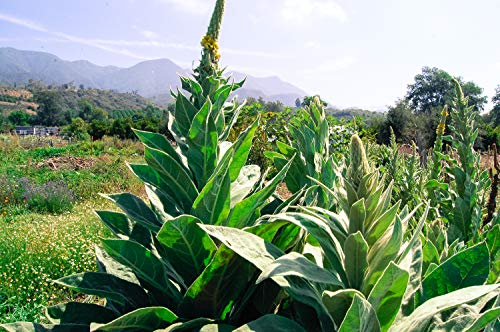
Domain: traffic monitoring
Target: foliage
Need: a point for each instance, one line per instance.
(50, 110)
(20, 118)
(309, 154)
(77, 129)
(434, 88)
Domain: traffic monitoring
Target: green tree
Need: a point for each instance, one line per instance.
(434, 88)
(19, 118)
(308, 99)
(494, 115)
(77, 129)
(398, 118)
(50, 110)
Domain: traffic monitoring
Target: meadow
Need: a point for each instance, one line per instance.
(48, 227)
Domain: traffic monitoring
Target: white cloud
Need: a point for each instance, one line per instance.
(312, 45)
(332, 65)
(22, 22)
(197, 7)
(302, 10)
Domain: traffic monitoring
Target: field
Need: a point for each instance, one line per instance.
(38, 246)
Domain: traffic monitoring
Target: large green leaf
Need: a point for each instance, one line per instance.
(202, 140)
(261, 254)
(184, 114)
(424, 314)
(322, 233)
(469, 267)
(387, 294)
(241, 149)
(213, 204)
(187, 246)
(356, 263)
(79, 313)
(243, 212)
(295, 264)
(159, 142)
(178, 182)
(210, 292)
(145, 265)
(277, 323)
(108, 286)
(137, 210)
(357, 216)
(338, 303)
(117, 222)
(360, 317)
(144, 319)
(244, 184)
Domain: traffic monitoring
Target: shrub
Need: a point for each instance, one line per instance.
(50, 197)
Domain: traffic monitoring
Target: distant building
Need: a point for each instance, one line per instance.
(37, 131)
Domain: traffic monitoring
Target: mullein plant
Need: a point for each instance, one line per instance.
(461, 201)
(366, 275)
(315, 169)
(162, 270)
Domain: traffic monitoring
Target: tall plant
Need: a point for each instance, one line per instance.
(162, 270)
(367, 277)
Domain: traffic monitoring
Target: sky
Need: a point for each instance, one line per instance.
(353, 53)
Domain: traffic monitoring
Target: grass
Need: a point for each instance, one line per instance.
(37, 248)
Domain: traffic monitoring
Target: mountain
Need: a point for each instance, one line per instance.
(151, 79)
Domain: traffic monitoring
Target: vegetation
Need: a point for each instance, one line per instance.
(368, 239)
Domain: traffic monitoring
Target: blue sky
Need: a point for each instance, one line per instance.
(353, 53)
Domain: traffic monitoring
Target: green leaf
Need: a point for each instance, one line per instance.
(380, 226)
(158, 142)
(212, 206)
(107, 286)
(144, 319)
(117, 222)
(79, 313)
(175, 180)
(210, 293)
(320, 230)
(295, 264)
(469, 267)
(184, 114)
(243, 212)
(387, 294)
(202, 140)
(145, 265)
(356, 263)
(137, 210)
(424, 314)
(244, 184)
(360, 317)
(484, 319)
(338, 303)
(278, 324)
(261, 254)
(357, 216)
(241, 149)
(187, 246)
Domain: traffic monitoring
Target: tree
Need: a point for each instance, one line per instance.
(19, 118)
(398, 117)
(77, 129)
(50, 110)
(433, 89)
(494, 116)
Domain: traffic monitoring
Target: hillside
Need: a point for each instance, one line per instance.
(22, 99)
(150, 79)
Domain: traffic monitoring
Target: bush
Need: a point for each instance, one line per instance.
(51, 197)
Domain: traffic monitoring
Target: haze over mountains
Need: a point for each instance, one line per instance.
(151, 79)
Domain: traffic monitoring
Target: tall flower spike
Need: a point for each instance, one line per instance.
(209, 64)
(358, 166)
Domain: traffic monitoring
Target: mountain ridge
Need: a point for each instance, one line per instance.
(151, 79)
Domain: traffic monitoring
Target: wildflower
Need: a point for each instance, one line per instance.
(440, 129)
(445, 112)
